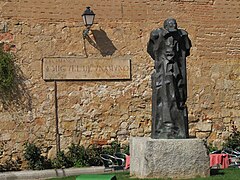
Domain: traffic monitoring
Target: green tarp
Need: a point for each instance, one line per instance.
(96, 177)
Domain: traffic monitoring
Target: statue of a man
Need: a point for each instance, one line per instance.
(169, 47)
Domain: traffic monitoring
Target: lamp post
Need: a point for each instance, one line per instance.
(88, 18)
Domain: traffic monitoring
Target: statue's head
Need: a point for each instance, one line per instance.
(170, 24)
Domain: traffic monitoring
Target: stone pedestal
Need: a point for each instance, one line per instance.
(168, 158)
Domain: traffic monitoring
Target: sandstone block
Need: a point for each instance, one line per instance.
(168, 158)
(87, 133)
(204, 126)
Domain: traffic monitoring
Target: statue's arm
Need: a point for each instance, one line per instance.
(188, 45)
(152, 40)
(187, 42)
(150, 49)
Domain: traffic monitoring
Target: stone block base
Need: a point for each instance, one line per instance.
(168, 158)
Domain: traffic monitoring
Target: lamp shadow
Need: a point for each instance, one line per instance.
(104, 44)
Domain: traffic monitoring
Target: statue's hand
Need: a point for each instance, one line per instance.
(154, 35)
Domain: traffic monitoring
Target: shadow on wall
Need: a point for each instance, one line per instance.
(104, 44)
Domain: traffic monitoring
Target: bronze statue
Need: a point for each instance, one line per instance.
(169, 47)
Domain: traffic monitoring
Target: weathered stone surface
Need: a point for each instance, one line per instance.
(202, 135)
(168, 158)
(204, 126)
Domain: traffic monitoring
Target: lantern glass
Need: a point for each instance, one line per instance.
(88, 20)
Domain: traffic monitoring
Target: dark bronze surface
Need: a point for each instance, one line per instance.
(169, 46)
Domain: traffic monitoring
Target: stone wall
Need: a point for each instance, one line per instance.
(90, 111)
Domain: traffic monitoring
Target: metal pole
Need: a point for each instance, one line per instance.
(56, 116)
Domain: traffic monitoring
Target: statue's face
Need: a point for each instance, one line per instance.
(170, 25)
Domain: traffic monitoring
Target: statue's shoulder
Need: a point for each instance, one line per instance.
(183, 32)
(186, 40)
(156, 33)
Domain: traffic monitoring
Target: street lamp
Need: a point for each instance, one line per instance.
(88, 18)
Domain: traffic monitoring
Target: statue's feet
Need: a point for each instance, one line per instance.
(167, 131)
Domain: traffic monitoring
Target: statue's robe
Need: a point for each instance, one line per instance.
(169, 83)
